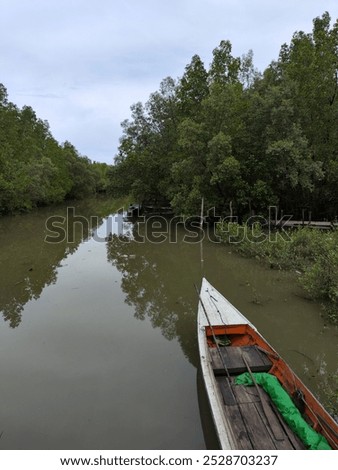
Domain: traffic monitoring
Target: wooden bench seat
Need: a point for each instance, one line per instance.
(233, 359)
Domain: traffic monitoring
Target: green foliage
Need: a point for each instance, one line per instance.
(224, 67)
(192, 89)
(321, 278)
(238, 138)
(34, 169)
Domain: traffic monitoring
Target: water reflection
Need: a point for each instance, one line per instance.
(156, 282)
(27, 263)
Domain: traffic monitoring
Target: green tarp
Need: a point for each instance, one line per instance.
(287, 408)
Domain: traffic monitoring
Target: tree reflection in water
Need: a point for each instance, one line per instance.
(158, 281)
(27, 263)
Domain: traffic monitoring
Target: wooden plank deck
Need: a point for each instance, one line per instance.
(255, 426)
(255, 420)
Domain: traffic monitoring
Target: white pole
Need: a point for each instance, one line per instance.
(202, 210)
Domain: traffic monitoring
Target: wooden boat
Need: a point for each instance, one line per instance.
(247, 417)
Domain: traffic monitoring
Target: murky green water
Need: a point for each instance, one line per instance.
(98, 342)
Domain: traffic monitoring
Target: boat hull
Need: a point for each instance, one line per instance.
(218, 318)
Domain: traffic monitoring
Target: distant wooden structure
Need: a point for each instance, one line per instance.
(321, 225)
(158, 210)
(135, 210)
(286, 221)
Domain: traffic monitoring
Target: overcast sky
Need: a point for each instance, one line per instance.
(81, 64)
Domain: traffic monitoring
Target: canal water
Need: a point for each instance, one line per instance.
(98, 346)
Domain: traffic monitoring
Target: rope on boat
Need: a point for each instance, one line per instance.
(214, 300)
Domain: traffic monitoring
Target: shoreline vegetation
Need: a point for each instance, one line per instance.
(311, 253)
(237, 137)
(35, 170)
